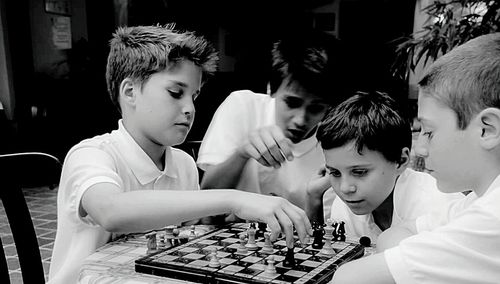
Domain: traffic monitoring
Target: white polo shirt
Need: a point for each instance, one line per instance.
(415, 194)
(459, 244)
(241, 113)
(110, 158)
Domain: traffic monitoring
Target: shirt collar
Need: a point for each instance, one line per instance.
(141, 164)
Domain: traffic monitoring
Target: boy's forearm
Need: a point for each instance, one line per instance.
(137, 211)
(224, 175)
(314, 208)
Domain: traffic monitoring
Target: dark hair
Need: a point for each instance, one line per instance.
(139, 52)
(372, 120)
(466, 79)
(312, 61)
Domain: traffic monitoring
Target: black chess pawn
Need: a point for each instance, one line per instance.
(262, 228)
(289, 260)
(341, 231)
(318, 234)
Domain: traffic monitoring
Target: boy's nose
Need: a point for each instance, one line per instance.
(300, 117)
(347, 187)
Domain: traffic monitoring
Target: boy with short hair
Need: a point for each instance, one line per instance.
(131, 179)
(265, 143)
(459, 108)
(366, 142)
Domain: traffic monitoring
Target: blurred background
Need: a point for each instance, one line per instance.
(53, 56)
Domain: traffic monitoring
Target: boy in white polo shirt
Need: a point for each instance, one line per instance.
(366, 142)
(132, 180)
(265, 143)
(459, 108)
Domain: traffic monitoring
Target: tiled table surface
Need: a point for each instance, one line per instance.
(42, 205)
(115, 262)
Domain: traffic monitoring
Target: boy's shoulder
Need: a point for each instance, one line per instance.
(247, 96)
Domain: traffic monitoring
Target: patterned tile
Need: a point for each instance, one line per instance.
(42, 204)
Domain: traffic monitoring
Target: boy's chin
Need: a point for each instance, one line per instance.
(449, 187)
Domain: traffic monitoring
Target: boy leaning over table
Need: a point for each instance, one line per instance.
(132, 180)
(459, 108)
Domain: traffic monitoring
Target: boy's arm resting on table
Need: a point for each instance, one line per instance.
(393, 235)
(372, 269)
(143, 210)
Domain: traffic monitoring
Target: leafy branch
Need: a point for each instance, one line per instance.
(450, 23)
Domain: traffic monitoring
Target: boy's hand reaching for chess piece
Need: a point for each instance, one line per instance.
(278, 213)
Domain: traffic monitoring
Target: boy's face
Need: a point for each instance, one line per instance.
(298, 113)
(363, 182)
(164, 106)
(448, 151)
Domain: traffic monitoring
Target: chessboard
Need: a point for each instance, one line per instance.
(193, 260)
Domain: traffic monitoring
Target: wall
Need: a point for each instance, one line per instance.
(6, 92)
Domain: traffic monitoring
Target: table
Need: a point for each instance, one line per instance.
(114, 262)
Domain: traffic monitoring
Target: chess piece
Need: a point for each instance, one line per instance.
(192, 233)
(270, 268)
(214, 259)
(341, 231)
(169, 236)
(365, 241)
(242, 248)
(289, 260)
(175, 239)
(318, 234)
(262, 228)
(251, 245)
(327, 247)
(268, 246)
(151, 244)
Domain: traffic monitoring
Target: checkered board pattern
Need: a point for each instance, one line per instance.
(190, 261)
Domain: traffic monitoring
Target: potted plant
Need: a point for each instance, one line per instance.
(450, 23)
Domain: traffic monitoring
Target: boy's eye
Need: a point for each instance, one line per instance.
(428, 134)
(359, 173)
(293, 102)
(334, 173)
(175, 93)
(315, 109)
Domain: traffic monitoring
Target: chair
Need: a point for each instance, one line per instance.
(18, 170)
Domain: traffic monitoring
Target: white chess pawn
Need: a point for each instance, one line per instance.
(268, 246)
(270, 268)
(214, 259)
(251, 245)
(242, 248)
(192, 234)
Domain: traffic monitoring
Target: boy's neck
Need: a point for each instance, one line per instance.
(382, 215)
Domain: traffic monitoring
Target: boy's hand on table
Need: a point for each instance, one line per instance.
(279, 214)
(268, 146)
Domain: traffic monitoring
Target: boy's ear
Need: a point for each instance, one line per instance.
(489, 122)
(404, 160)
(127, 91)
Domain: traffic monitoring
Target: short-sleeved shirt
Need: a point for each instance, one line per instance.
(110, 158)
(415, 194)
(241, 113)
(459, 244)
